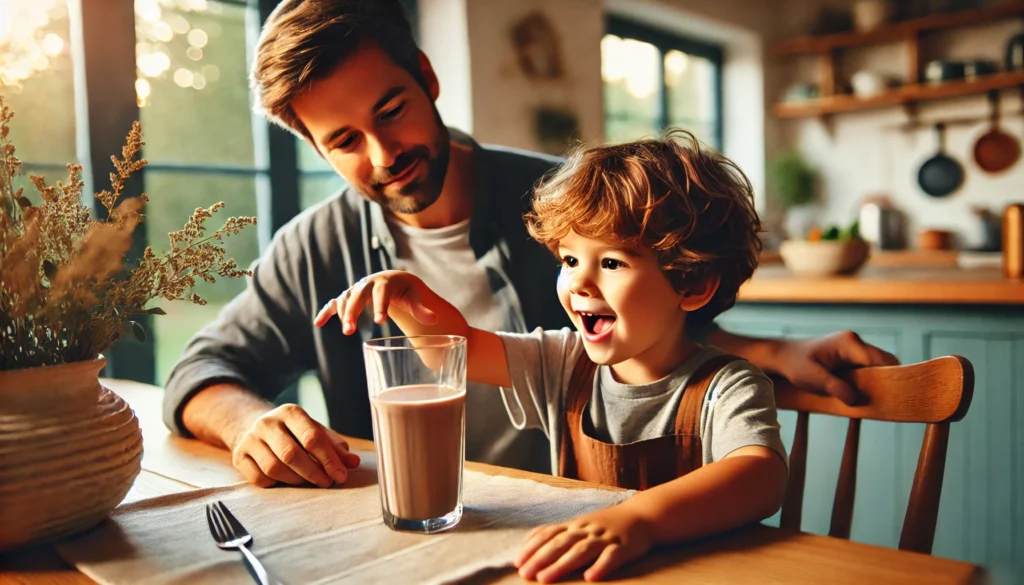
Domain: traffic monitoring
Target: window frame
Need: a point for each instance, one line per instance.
(665, 41)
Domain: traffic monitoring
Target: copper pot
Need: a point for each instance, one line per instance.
(935, 239)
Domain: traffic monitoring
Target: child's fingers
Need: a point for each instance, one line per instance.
(581, 554)
(329, 310)
(356, 298)
(612, 557)
(381, 300)
(548, 553)
(536, 539)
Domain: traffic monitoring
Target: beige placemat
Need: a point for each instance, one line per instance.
(317, 536)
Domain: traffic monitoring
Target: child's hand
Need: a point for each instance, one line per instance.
(393, 289)
(607, 538)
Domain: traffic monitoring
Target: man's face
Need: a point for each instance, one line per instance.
(379, 129)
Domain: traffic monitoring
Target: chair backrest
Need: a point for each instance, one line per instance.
(936, 392)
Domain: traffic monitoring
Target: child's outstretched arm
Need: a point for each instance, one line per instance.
(746, 486)
(419, 311)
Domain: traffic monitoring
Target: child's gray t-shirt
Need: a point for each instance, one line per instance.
(738, 411)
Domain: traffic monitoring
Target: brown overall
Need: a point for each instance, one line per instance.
(642, 464)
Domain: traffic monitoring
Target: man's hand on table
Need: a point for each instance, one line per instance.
(286, 445)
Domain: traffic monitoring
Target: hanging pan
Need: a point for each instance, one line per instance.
(941, 174)
(996, 150)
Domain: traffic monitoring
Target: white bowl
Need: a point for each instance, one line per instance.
(823, 258)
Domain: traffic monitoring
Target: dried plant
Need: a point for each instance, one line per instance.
(65, 293)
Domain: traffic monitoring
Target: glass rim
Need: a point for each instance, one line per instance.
(442, 341)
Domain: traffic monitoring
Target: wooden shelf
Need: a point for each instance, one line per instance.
(812, 45)
(907, 94)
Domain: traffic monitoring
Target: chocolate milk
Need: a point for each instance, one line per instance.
(419, 433)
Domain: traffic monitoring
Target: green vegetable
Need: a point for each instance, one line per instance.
(834, 233)
(852, 232)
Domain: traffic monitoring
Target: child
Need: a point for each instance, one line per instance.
(650, 234)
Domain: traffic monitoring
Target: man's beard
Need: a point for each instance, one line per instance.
(417, 194)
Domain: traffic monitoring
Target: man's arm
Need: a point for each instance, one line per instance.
(220, 414)
(220, 390)
(268, 444)
(259, 342)
(811, 363)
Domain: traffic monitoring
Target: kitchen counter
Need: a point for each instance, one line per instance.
(886, 284)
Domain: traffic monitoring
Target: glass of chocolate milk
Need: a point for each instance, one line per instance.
(418, 400)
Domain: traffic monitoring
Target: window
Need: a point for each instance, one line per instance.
(39, 64)
(198, 126)
(317, 180)
(654, 80)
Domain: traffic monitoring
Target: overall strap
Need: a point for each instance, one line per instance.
(581, 384)
(690, 407)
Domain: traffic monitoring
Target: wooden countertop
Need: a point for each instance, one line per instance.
(886, 283)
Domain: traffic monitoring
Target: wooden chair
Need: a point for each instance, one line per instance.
(936, 392)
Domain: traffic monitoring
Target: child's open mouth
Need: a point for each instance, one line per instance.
(596, 327)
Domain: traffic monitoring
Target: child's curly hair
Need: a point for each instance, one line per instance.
(693, 207)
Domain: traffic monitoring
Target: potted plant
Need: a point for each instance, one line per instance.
(793, 181)
(71, 448)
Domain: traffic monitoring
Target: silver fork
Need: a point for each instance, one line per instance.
(231, 535)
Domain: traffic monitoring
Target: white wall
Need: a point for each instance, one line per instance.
(504, 99)
(867, 155)
(444, 38)
(483, 89)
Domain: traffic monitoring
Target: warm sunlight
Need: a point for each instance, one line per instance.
(26, 49)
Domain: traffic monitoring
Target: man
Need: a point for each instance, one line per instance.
(347, 76)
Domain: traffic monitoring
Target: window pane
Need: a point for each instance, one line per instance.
(690, 83)
(193, 83)
(319, 187)
(37, 81)
(309, 159)
(632, 96)
(625, 130)
(173, 198)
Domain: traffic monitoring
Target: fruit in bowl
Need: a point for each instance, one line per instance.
(823, 253)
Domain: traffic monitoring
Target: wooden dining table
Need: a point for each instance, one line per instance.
(757, 554)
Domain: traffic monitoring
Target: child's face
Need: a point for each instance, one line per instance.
(619, 300)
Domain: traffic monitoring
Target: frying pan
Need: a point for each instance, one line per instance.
(941, 174)
(995, 150)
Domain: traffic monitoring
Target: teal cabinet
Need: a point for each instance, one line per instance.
(981, 515)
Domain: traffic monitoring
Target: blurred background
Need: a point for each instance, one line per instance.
(897, 120)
